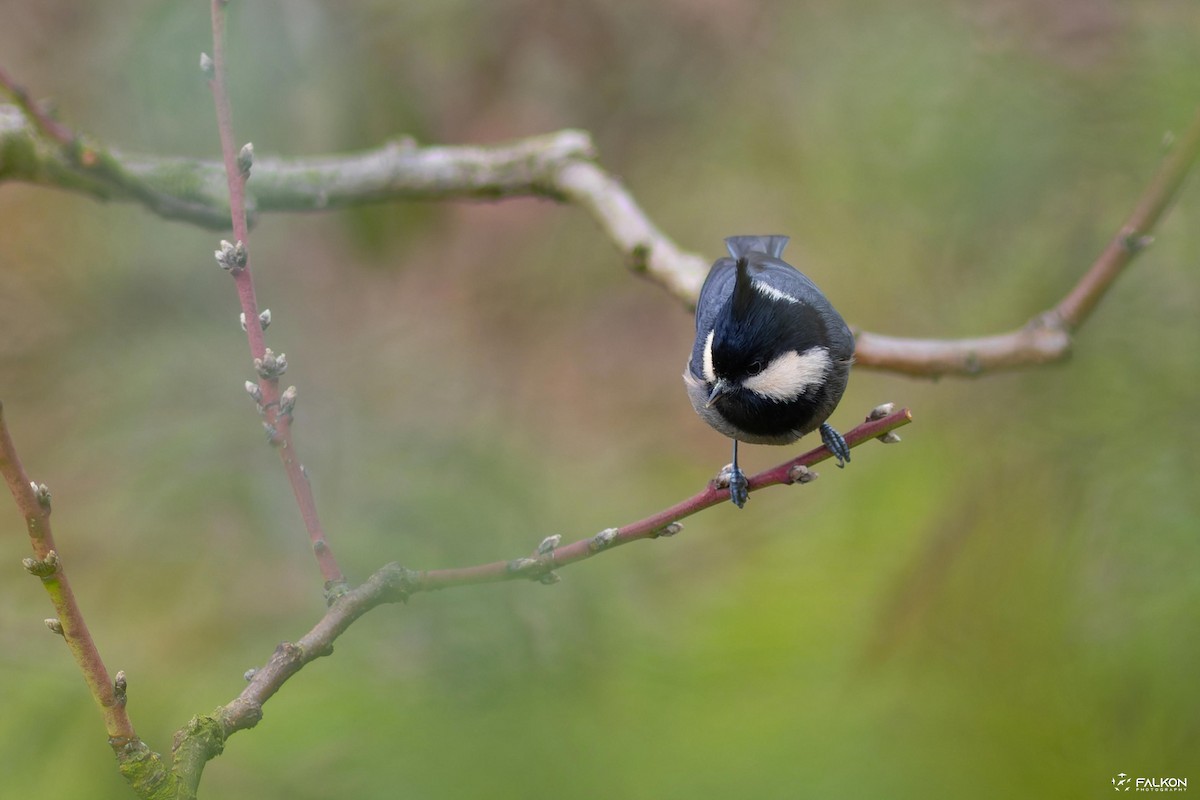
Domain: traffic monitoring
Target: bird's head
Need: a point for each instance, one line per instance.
(764, 342)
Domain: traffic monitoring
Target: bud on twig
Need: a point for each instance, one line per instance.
(120, 687)
(207, 67)
(672, 529)
(41, 567)
(42, 493)
(224, 255)
(522, 564)
(287, 401)
(254, 391)
(271, 366)
(232, 257)
(264, 319)
(1135, 243)
(55, 626)
(245, 160)
(547, 545)
(602, 540)
(801, 474)
(536, 569)
(880, 411)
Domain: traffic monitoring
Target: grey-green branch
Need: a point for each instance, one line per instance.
(561, 167)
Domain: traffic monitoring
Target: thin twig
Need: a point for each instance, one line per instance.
(1134, 236)
(276, 409)
(654, 525)
(48, 125)
(1047, 337)
(394, 583)
(204, 737)
(33, 501)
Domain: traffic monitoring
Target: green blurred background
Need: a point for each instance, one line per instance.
(1005, 605)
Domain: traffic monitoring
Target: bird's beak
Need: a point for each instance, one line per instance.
(720, 388)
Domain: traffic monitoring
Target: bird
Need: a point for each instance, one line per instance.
(772, 355)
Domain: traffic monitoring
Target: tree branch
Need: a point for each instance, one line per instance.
(878, 425)
(274, 405)
(33, 501)
(1047, 337)
(399, 170)
(1134, 236)
(73, 162)
(204, 737)
(562, 167)
(46, 124)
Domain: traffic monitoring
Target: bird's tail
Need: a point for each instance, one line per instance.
(742, 246)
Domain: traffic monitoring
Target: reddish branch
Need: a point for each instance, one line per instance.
(48, 125)
(33, 501)
(277, 419)
(544, 167)
(394, 583)
(664, 522)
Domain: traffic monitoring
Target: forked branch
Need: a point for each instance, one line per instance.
(563, 167)
(205, 736)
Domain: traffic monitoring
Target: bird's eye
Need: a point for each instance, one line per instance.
(755, 368)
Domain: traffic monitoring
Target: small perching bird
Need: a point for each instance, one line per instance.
(772, 355)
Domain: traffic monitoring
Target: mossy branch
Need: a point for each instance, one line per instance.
(562, 167)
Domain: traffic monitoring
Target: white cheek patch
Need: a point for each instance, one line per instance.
(707, 368)
(788, 375)
(773, 293)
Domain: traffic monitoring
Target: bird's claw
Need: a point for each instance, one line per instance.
(836, 444)
(739, 486)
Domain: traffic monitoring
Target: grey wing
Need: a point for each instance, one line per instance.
(786, 278)
(794, 283)
(717, 288)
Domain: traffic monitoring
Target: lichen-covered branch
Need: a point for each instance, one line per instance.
(37, 148)
(560, 166)
(398, 170)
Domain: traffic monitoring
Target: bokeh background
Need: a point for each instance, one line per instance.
(1005, 605)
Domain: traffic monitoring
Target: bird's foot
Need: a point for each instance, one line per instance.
(739, 487)
(836, 444)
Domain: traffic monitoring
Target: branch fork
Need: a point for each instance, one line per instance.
(560, 166)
